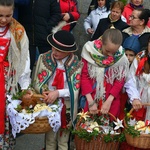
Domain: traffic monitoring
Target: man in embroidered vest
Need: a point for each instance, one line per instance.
(59, 70)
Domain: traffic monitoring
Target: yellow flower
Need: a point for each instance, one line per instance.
(83, 115)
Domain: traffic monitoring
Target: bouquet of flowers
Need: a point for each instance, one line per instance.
(97, 132)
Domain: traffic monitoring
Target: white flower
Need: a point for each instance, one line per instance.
(112, 132)
(24, 111)
(118, 124)
(30, 106)
(147, 131)
(106, 129)
(132, 122)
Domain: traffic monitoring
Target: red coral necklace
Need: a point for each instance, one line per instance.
(4, 32)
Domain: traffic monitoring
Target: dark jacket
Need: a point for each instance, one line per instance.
(105, 24)
(94, 4)
(38, 18)
(17, 4)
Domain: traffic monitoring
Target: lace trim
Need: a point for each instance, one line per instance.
(20, 121)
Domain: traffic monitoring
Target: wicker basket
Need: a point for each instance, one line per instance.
(41, 124)
(95, 144)
(142, 141)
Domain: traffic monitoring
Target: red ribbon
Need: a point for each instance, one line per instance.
(58, 82)
(140, 66)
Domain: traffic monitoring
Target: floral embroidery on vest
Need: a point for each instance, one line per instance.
(76, 81)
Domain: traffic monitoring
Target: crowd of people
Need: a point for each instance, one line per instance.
(114, 71)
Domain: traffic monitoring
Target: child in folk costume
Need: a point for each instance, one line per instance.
(60, 70)
(104, 73)
(140, 73)
(14, 66)
(137, 87)
(132, 47)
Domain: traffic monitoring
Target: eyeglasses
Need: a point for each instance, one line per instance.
(132, 17)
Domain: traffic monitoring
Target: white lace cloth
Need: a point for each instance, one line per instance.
(20, 121)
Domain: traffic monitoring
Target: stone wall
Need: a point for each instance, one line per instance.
(79, 32)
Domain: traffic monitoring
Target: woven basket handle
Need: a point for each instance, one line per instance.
(130, 112)
(144, 104)
(110, 114)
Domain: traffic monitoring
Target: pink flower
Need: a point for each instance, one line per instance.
(105, 62)
(110, 58)
(108, 61)
(98, 43)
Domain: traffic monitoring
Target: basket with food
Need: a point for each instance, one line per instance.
(32, 115)
(137, 133)
(97, 132)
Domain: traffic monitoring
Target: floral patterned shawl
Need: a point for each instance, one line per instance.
(117, 65)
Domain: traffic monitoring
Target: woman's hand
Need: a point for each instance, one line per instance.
(50, 96)
(107, 104)
(93, 109)
(92, 105)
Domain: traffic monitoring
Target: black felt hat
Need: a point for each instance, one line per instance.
(63, 41)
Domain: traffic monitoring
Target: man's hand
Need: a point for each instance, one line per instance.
(50, 96)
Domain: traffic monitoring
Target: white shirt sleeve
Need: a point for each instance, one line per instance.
(146, 77)
(131, 83)
(64, 93)
(24, 79)
(131, 90)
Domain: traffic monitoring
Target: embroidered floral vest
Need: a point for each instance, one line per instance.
(47, 65)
